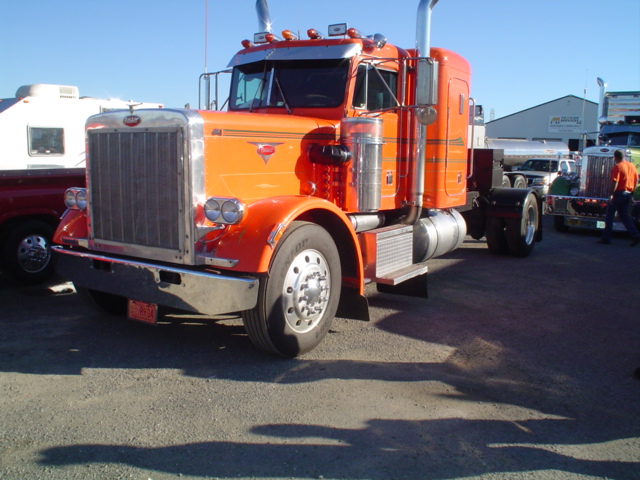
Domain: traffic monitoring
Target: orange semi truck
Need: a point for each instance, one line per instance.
(339, 161)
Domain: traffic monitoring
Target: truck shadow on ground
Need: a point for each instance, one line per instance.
(383, 449)
(524, 350)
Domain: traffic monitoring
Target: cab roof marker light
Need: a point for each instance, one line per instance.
(338, 29)
(289, 35)
(247, 43)
(259, 38)
(355, 33)
(313, 34)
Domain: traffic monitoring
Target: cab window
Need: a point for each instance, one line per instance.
(375, 88)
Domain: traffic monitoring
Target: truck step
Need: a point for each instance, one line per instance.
(402, 275)
(388, 255)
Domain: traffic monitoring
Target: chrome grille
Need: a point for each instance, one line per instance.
(135, 187)
(596, 180)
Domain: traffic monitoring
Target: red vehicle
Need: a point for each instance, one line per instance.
(339, 162)
(31, 204)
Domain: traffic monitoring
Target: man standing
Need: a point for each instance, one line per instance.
(624, 179)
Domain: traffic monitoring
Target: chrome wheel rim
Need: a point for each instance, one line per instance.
(306, 290)
(33, 253)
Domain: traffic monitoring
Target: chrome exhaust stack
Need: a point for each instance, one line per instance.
(426, 96)
(264, 19)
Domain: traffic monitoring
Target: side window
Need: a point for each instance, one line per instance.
(45, 141)
(564, 166)
(375, 89)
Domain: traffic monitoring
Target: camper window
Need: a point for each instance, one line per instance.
(44, 141)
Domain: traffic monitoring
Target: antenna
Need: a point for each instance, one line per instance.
(206, 30)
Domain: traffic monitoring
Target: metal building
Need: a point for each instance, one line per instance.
(571, 120)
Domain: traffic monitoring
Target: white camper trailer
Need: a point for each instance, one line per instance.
(43, 125)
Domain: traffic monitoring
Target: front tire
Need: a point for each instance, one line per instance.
(521, 232)
(299, 297)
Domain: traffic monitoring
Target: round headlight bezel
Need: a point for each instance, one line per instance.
(226, 211)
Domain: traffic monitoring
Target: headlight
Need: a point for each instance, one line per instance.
(540, 181)
(70, 198)
(81, 199)
(76, 198)
(224, 210)
(232, 211)
(212, 209)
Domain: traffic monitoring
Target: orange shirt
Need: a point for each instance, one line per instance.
(626, 175)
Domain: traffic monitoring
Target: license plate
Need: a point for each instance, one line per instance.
(143, 312)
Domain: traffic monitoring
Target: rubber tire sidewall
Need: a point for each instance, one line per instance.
(15, 236)
(275, 334)
(517, 229)
(519, 182)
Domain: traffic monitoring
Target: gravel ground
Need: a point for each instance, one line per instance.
(512, 369)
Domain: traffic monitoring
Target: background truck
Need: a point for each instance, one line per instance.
(340, 161)
(580, 200)
(515, 152)
(31, 204)
(43, 154)
(539, 173)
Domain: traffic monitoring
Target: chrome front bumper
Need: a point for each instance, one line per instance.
(191, 290)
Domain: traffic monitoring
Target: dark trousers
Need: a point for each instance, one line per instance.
(620, 203)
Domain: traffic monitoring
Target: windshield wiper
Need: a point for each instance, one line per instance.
(284, 99)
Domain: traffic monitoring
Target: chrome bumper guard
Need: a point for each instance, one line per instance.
(191, 290)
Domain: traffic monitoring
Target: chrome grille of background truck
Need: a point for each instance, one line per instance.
(595, 180)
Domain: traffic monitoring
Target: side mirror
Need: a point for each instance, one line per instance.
(427, 82)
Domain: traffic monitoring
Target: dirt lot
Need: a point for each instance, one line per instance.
(512, 369)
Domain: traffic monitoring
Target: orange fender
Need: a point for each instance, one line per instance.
(268, 218)
(73, 225)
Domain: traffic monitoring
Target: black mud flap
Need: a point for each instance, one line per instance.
(508, 203)
(353, 305)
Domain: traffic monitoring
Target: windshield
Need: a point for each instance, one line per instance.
(289, 84)
(540, 165)
(623, 139)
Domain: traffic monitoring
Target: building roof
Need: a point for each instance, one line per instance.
(545, 103)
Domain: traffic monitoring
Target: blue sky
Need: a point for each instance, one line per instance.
(522, 53)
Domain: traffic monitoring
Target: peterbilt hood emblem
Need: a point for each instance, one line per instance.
(132, 120)
(265, 149)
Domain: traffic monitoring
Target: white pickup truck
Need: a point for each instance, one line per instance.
(539, 173)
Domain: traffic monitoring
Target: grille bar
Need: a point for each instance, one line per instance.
(597, 183)
(136, 188)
